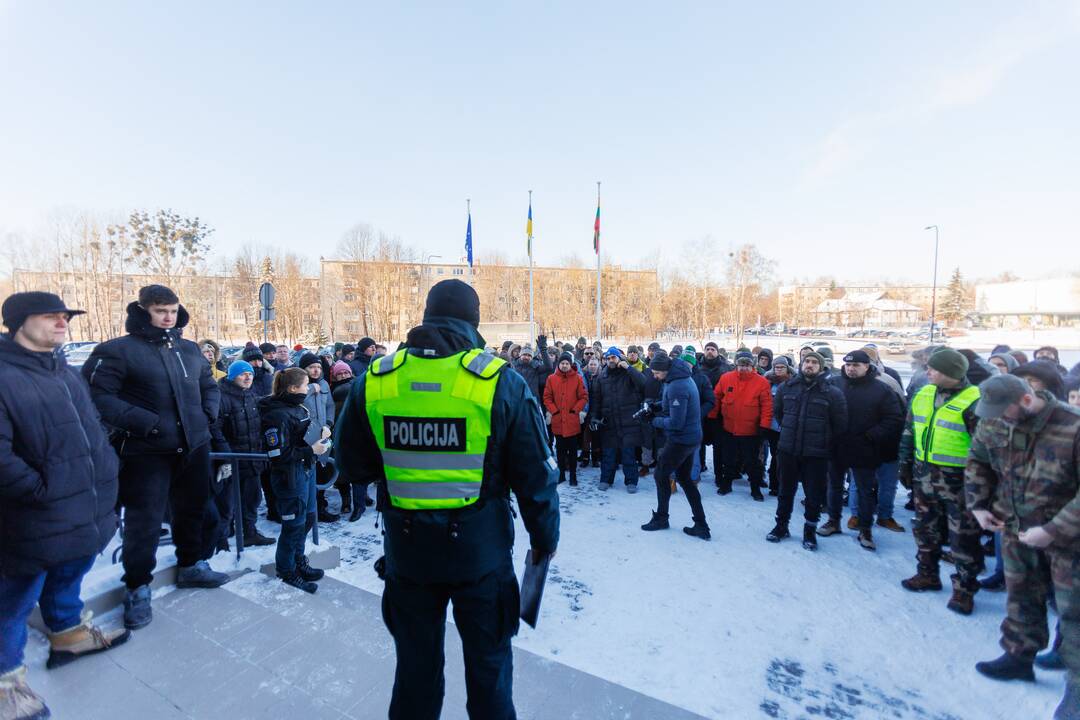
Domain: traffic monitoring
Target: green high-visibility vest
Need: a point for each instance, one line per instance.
(941, 437)
(432, 418)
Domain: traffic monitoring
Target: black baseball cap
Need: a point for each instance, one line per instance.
(22, 305)
(998, 392)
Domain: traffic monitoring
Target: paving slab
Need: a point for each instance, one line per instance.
(258, 649)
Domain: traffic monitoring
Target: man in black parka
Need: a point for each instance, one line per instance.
(155, 390)
(57, 494)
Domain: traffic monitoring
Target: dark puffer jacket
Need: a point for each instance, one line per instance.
(58, 478)
(681, 418)
(238, 427)
(618, 395)
(812, 413)
(535, 372)
(153, 387)
(875, 421)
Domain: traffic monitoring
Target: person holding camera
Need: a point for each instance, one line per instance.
(680, 418)
(286, 423)
(619, 392)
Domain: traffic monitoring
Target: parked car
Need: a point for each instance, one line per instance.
(77, 357)
(70, 346)
(896, 347)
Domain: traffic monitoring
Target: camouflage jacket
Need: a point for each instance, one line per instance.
(955, 475)
(1027, 473)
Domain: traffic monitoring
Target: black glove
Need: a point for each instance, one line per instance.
(541, 341)
(594, 425)
(763, 432)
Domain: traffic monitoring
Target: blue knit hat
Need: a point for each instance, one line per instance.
(237, 368)
(613, 351)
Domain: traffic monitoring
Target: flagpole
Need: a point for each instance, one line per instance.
(468, 213)
(598, 265)
(532, 326)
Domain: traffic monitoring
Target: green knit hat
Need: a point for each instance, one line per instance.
(949, 363)
(690, 358)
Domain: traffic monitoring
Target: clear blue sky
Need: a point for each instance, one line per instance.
(828, 134)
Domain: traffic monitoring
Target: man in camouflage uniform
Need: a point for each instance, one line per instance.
(1022, 480)
(933, 452)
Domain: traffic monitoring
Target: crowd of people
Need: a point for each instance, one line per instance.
(987, 448)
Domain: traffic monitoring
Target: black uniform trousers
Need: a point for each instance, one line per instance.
(813, 473)
(486, 615)
(147, 484)
(678, 459)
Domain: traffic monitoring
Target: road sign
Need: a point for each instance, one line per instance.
(266, 295)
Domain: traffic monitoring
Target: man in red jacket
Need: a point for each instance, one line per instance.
(745, 402)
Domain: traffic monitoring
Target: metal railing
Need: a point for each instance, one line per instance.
(238, 507)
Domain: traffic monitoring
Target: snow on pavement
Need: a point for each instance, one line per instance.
(741, 628)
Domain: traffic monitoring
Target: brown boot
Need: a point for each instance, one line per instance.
(890, 524)
(853, 522)
(17, 700)
(83, 639)
(922, 581)
(962, 601)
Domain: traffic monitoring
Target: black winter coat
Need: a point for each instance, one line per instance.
(238, 427)
(705, 392)
(713, 369)
(153, 387)
(875, 421)
(536, 372)
(58, 478)
(339, 391)
(619, 394)
(285, 420)
(812, 413)
(263, 383)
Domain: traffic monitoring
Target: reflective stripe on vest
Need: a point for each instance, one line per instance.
(431, 418)
(940, 434)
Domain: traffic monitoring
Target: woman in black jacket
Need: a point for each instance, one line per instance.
(292, 473)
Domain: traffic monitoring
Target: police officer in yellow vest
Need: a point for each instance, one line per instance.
(445, 433)
(933, 454)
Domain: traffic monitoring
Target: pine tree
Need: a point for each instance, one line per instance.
(955, 306)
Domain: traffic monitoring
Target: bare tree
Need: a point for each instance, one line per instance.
(165, 245)
(747, 271)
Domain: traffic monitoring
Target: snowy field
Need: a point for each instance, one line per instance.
(740, 628)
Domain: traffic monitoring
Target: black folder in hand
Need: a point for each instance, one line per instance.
(532, 587)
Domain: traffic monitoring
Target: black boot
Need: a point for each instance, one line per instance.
(293, 579)
(562, 476)
(253, 537)
(809, 536)
(1007, 667)
(359, 493)
(699, 530)
(658, 522)
(346, 500)
(573, 476)
(304, 569)
(325, 516)
(778, 533)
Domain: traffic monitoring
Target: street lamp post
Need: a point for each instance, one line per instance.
(933, 292)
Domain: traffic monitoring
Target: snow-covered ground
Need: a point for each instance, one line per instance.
(738, 627)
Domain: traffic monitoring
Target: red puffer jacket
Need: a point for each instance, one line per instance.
(564, 397)
(745, 402)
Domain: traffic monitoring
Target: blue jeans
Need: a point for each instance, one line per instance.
(56, 590)
(297, 508)
(887, 480)
(626, 458)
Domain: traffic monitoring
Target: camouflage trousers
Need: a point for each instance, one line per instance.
(938, 504)
(1030, 576)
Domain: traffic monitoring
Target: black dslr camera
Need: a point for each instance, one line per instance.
(649, 410)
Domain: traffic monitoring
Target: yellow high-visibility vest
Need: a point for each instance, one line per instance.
(431, 418)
